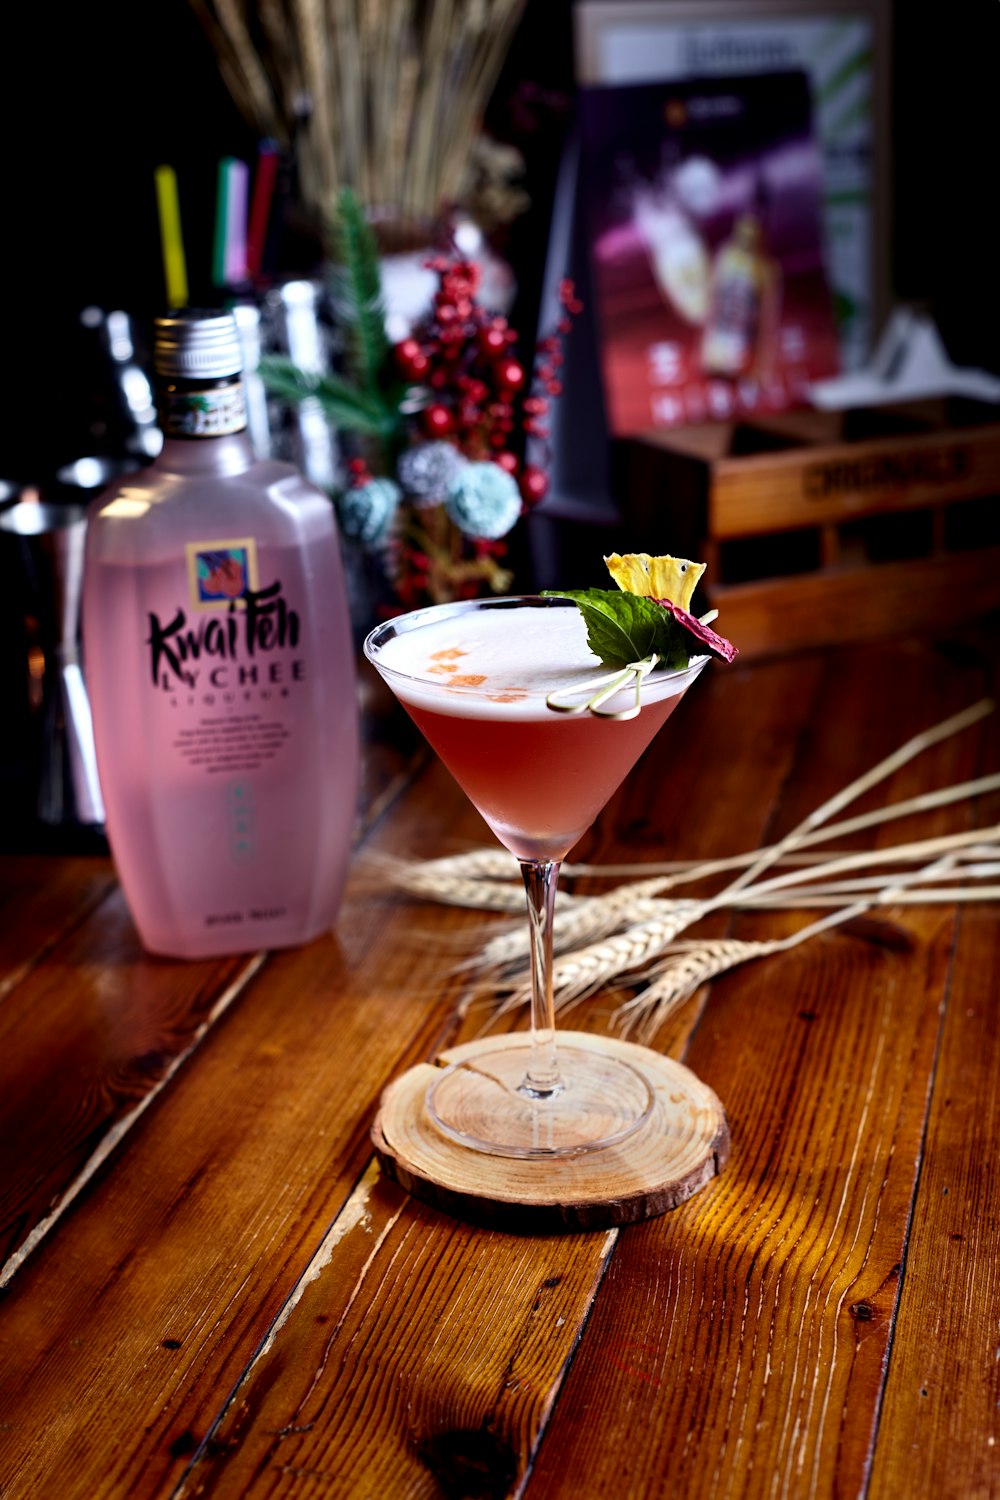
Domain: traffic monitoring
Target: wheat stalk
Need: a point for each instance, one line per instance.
(692, 964)
(926, 896)
(580, 972)
(689, 966)
(482, 892)
(492, 863)
(477, 864)
(691, 870)
(630, 934)
(240, 65)
(850, 793)
(576, 970)
(588, 919)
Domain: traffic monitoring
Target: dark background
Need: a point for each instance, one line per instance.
(96, 96)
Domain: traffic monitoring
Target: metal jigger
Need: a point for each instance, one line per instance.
(51, 541)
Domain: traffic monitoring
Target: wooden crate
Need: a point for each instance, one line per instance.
(820, 527)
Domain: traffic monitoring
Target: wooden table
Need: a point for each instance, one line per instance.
(209, 1290)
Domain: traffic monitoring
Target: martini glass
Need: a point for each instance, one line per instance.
(478, 677)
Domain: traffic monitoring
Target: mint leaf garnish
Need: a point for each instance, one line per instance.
(625, 628)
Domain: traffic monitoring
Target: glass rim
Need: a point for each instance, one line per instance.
(426, 614)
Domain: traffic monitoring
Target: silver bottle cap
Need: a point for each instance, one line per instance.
(195, 345)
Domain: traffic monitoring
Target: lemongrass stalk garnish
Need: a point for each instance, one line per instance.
(608, 687)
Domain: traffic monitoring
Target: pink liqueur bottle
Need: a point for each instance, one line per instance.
(220, 666)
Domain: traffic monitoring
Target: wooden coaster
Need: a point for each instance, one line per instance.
(681, 1146)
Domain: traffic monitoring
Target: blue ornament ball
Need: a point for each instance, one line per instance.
(427, 470)
(484, 500)
(366, 511)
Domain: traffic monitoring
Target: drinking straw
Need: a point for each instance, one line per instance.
(171, 239)
(236, 233)
(260, 205)
(229, 257)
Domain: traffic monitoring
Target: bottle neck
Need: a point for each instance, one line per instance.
(222, 457)
(196, 410)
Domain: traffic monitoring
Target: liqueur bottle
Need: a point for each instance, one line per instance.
(219, 660)
(730, 339)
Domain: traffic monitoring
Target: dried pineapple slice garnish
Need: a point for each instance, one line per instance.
(665, 577)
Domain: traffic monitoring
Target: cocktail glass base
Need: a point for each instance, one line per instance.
(486, 1103)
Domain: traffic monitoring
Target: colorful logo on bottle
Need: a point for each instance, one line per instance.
(222, 573)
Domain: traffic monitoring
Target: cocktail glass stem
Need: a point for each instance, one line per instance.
(542, 1079)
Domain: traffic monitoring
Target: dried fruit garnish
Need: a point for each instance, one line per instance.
(661, 577)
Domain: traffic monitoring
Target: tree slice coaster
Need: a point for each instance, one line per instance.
(680, 1147)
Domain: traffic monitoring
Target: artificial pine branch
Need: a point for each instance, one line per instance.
(349, 408)
(368, 400)
(359, 287)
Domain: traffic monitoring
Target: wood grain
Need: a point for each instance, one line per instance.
(939, 1432)
(267, 1135)
(124, 1021)
(263, 1141)
(71, 965)
(234, 1303)
(422, 1360)
(856, 604)
(780, 1280)
(41, 898)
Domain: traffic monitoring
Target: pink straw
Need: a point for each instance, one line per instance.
(236, 223)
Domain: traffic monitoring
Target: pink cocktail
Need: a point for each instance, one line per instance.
(477, 678)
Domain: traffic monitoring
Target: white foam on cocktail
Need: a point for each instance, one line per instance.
(520, 654)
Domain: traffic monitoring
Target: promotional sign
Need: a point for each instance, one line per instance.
(841, 45)
(702, 209)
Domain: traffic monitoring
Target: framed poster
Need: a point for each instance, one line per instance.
(702, 211)
(842, 46)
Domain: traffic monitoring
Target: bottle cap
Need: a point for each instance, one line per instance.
(193, 345)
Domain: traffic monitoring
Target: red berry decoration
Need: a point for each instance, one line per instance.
(534, 485)
(510, 374)
(486, 414)
(411, 361)
(437, 420)
(494, 339)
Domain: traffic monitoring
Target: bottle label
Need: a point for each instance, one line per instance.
(206, 413)
(227, 660)
(231, 632)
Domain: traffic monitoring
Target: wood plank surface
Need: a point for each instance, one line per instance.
(760, 1313)
(242, 1451)
(939, 1432)
(41, 898)
(124, 1021)
(263, 1141)
(271, 1129)
(234, 1303)
(422, 1360)
(71, 966)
